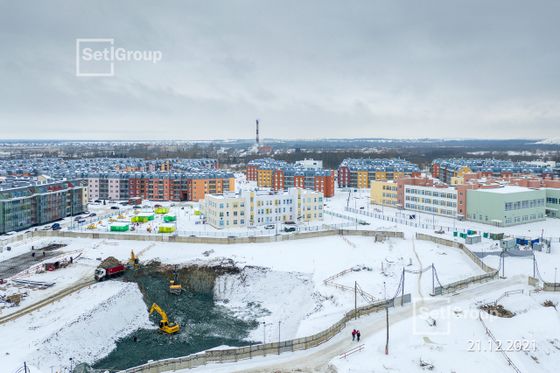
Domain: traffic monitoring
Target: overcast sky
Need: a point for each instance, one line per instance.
(306, 69)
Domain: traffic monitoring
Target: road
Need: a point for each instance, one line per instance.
(317, 359)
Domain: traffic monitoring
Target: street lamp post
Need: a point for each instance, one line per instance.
(279, 324)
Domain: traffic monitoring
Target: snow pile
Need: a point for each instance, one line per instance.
(550, 141)
(84, 327)
(267, 296)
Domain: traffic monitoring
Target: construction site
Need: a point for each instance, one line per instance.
(115, 304)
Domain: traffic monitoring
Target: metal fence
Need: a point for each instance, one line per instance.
(275, 348)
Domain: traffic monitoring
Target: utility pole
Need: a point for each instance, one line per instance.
(355, 300)
(534, 266)
(264, 332)
(433, 281)
(402, 293)
(387, 323)
(503, 265)
(555, 269)
(279, 323)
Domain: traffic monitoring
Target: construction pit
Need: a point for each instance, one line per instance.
(204, 324)
(233, 295)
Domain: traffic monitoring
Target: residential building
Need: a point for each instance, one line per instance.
(260, 207)
(384, 192)
(359, 173)
(27, 202)
(280, 175)
(446, 169)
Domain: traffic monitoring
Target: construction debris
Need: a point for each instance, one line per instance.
(13, 299)
(110, 262)
(426, 365)
(33, 284)
(497, 310)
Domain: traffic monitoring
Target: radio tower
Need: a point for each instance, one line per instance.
(257, 132)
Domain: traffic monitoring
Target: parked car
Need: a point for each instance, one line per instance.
(10, 233)
(92, 215)
(115, 208)
(56, 227)
(82, 220)
(289, 229)
(98, 201)
(269, 226)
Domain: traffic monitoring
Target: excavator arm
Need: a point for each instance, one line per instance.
(164, 324)
(162, 314)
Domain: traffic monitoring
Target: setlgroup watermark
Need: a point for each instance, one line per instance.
(97, 57)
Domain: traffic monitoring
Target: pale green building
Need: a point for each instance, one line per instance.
(553, 202)
(506, 206)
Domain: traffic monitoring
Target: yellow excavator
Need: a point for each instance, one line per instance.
(133, 261)
(165, 325)
(175, 286)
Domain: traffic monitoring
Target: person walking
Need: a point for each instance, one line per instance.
(358, 335)
(353, 334)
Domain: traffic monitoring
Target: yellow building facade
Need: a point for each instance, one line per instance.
(384, 193)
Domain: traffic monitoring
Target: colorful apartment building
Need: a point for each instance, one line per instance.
(26, 202)
(260, 207)
(446, 169)
(159, 186)
(280, 175)
(359, 173)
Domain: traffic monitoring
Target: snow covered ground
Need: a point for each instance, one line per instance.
(458, 342)
(84, 326)
(281, 285)
(280, 282)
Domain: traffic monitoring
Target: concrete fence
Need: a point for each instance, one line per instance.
(275, 348)
(490, 273)
(216, 240)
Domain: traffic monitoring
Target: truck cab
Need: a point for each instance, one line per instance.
(100, 274)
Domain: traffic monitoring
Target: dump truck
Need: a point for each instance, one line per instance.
(110, 267)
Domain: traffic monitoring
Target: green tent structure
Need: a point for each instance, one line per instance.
(169, 218)
(119, 227)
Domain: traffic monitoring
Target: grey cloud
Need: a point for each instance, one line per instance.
(306, 68)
